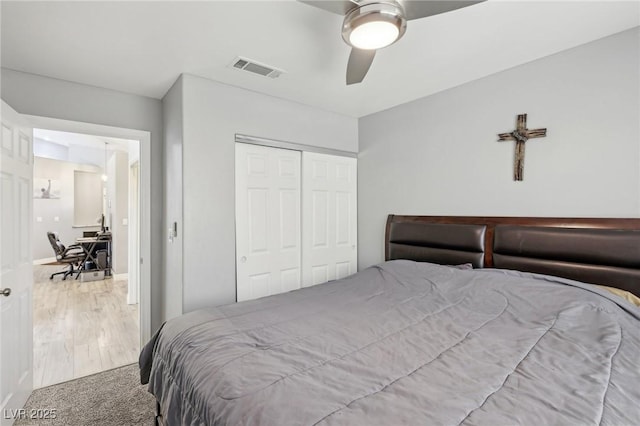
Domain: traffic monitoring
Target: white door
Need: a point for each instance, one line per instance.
(329, 217)
(16, 270)
(267, 221)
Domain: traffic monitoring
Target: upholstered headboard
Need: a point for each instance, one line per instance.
(592, 250)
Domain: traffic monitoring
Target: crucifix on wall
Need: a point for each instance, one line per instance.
(521, 134)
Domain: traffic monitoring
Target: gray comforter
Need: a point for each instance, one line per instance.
(405, 343)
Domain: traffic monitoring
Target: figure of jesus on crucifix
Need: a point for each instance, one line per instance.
(521, 135)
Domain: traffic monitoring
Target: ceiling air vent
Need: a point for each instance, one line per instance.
(256, 68)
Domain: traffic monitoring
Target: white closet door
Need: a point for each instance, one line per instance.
(329, 215)
(267, 220)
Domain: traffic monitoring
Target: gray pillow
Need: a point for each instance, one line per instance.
(462, 266)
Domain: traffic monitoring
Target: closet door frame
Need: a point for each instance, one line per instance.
(274, 143)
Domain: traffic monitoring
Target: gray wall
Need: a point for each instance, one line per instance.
(47, 97)
(172, 121)
(213, 113)
(45, 211)
(439, 155)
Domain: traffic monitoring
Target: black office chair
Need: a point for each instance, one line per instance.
(73, 255)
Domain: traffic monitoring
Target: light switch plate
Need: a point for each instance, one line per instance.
(39, 219)
(56, 218)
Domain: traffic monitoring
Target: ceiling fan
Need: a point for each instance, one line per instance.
(370, 25)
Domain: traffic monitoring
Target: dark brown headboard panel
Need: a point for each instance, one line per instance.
(450, 244)
(594, 250)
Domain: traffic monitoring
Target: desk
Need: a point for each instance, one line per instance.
(91, 246)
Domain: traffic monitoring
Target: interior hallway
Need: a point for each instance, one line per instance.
(80, 328)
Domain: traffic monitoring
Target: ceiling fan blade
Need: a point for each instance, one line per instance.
(359, 63)
(415, 9)
(341, 7)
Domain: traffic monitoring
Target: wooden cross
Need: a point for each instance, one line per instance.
(521, 134)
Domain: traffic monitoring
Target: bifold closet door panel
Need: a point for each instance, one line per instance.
(329, 215)
(268, 241)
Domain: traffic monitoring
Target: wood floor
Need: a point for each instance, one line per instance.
(80, 328)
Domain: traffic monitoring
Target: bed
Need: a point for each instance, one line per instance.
(525, 337)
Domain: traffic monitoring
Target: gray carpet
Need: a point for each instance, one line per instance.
(110, 398)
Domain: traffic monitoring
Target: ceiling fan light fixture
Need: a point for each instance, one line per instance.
(374, 25)
(374, 35)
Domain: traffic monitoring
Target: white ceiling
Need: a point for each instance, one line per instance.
(142, 47)
(79, 139)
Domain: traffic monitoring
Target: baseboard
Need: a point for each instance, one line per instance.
(124, 276)
(43, 261)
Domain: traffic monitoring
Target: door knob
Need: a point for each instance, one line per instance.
(5, 292)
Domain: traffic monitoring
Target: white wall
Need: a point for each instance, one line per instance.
(213, 113)
(118, 210)
(87, 155)
(172, 120)
(48, 97)
(46, 211)
(439, 155)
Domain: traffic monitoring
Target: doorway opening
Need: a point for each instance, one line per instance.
(96, 196)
